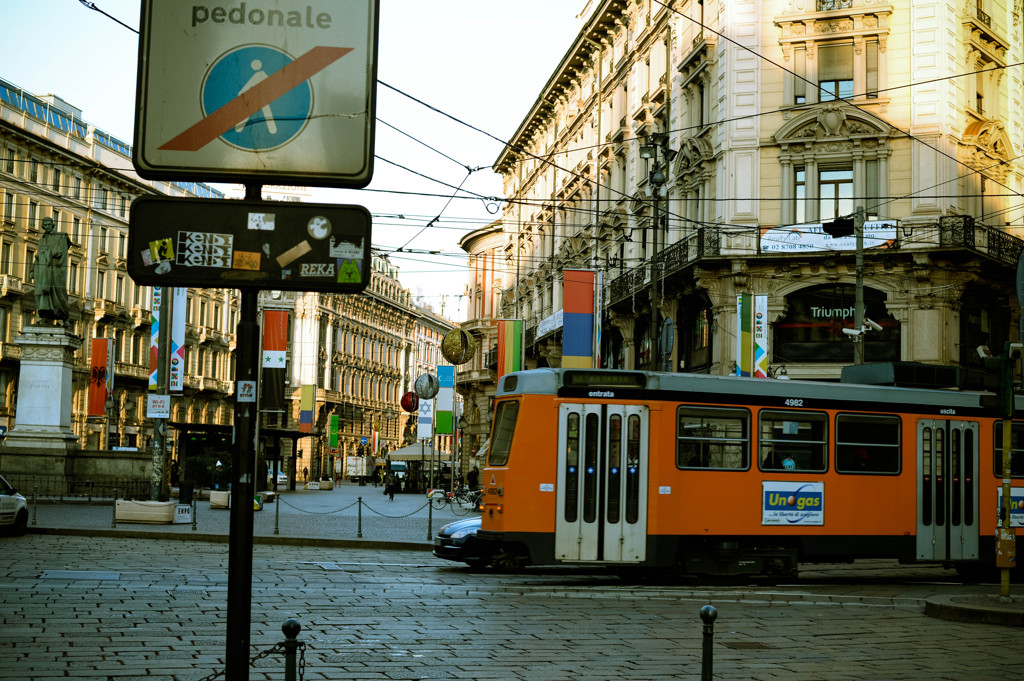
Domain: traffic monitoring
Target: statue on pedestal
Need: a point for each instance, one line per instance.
(50, 272)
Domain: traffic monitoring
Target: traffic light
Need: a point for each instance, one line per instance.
(1002, 366)
(839, 227)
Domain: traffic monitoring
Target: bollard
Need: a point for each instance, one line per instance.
(277, 511)
(113, 522)
(430, 520)
(35, 506)
(194, 508)
(88, 486)
(291, 632)
(359, 515)
(707, 663)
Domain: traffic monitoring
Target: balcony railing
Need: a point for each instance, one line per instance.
(963, 231)
(705, 242)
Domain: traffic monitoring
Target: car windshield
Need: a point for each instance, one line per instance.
(5, 488)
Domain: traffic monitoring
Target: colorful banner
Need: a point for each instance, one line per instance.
(101, 375)
(445, 399)
(307, 404)
(578, 319)
(761, 336)
(177, 360)
(275, 360)
(510, 346)
(154, 341)
(744, 334)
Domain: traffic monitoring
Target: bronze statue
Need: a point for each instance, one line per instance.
(50, 273)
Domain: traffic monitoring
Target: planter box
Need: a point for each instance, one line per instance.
(157, 512)
(220, 499)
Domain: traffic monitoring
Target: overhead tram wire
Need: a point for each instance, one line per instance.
(92, 5)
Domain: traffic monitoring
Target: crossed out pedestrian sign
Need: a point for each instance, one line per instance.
(282, 93)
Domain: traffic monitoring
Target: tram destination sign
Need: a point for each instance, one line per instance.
(217, 243)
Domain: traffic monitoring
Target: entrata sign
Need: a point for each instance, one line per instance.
(241, 244)
(264, 90)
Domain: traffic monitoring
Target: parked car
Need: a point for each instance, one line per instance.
(13, 509)
(457, 541)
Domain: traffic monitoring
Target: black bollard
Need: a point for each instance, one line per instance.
(114, 520)
(291, 632)
(707, 663)
(35, 493)
(359, 527)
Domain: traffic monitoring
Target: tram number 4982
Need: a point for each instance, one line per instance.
(794, 402)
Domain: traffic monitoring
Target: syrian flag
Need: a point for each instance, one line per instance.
(274, 363)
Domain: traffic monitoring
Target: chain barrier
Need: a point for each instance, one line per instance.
(302, 510)
(406, 515)
(276, 648)
(281, 499)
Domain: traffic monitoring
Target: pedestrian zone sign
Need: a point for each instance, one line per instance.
(266, 90)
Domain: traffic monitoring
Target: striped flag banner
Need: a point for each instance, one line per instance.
(578, 319)
(154, 340)
(101, 375)
(307, 403)
(510, 346)
(445, 399)
(274, 360)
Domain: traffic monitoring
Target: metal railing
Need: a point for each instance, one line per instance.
(83, 488)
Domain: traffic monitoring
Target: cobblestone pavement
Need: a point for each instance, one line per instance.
(129, 608)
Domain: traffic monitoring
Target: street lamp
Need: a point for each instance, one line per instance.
(657, 145)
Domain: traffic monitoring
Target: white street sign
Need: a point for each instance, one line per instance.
(268, 90)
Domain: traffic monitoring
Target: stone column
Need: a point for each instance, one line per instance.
(43, 414)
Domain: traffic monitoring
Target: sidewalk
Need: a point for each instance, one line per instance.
(309, 517)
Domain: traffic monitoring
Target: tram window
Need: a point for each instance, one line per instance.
(867, 444)
(709, 437)
(793, 441)
(1016, 450)
(504, 426)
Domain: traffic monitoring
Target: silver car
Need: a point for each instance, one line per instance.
(13, 509)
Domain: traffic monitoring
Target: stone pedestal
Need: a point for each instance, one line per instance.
(43, 414)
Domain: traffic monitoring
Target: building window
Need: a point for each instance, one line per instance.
(124, 206)
(5, 257)
(835, 71)
(32, 208)
(73, 278)
(835, 193)
(119, 292)
(30, 255)
(77, 191)
(101, 284)
(33, 170)
(56, 219)
(76, 229)
(9, 207)
(9, 165)
(56, 180)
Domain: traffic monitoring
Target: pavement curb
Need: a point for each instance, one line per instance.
(372, 544)
(977, 610)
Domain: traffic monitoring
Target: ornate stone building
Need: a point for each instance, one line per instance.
(693, 150)
(54, 164)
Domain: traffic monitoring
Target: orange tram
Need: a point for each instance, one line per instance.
(740, 476)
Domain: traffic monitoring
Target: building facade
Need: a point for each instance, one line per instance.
(476, 378)
(693, 151)
(54, 164)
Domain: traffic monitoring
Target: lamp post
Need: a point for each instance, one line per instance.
(657, 145)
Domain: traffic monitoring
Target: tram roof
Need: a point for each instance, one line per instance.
(630, 385)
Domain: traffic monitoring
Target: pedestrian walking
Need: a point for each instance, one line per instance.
(473, 478)
(390, 483)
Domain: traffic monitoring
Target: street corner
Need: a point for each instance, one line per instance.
(977, 608)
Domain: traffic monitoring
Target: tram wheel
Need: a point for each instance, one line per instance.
(509, 560)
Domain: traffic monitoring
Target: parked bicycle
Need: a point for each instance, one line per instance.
(462, 500)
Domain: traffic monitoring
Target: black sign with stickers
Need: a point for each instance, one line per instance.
(220, 243)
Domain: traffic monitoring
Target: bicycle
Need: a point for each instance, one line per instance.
(462, 500)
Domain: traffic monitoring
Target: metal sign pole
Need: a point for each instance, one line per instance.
(241, 521)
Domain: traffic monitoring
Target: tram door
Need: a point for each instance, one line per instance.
(602, 483)
(947, 490)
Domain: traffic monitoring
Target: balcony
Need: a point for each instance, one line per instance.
(962, 231)
(102, 309)
(141, 317)
(9, 284)
(705, 242)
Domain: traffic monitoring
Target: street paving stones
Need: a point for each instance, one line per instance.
(126, 603)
